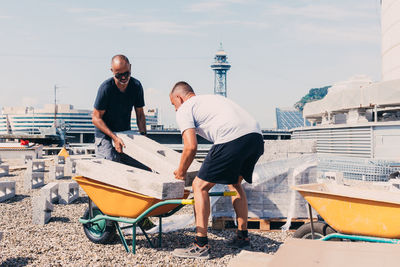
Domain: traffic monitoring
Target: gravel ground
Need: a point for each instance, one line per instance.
(62, 241)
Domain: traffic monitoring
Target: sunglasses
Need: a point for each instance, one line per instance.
(119, 76)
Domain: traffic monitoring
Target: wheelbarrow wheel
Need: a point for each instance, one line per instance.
(100, 232)
(321, 229)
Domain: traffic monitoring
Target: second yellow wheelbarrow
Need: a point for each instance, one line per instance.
(114, 205)
(355, 213)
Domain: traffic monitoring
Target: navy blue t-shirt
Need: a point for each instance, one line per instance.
(117, 105)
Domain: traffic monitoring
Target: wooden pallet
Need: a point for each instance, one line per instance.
(258, 224)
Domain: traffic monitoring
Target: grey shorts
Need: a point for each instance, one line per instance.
(104, 149)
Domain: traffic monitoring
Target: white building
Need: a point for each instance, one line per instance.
(77, 122)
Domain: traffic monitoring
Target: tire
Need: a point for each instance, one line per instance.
(321, 229)
(100, 232)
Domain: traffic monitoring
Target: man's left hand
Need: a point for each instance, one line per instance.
(180, 175)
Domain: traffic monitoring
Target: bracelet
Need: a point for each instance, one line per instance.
(143, 133)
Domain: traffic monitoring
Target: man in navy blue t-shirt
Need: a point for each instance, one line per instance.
(113, 106)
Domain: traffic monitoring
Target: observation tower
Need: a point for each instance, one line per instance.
(220, 68)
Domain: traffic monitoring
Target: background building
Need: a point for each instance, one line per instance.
(289, 118)
(76, 122)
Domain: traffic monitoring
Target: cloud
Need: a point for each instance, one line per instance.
(216, 5)
(79, 10)
(5, 17)
(322, 12)
(320, 33)
(145, 25)
(257, 24)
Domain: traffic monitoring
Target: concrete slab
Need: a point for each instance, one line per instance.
(56, 172)
(50, 192)
(158, 157)
(33, 180)
(132, 179)
(68, 192)
(315, 253)
(250, 258)
(35, 166)
(4, 170)
(7, 190)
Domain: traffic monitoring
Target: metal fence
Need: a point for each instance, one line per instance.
(358, 168)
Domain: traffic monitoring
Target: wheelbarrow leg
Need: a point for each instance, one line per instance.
(122, 237)
(134, 238)
(160, 232)
(147, 237)
(311, 221)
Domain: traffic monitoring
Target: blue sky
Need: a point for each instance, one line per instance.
(278, 49)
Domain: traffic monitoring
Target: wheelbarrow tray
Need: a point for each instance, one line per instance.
(118, 202)
(355, 211)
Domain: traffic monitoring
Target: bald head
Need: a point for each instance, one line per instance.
(181, 92)
(119, 59)
(182, 88)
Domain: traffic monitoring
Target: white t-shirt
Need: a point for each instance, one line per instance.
(216, 118)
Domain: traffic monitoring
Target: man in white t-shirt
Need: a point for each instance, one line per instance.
(237, 145)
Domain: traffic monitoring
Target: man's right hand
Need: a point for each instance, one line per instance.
(118, 144)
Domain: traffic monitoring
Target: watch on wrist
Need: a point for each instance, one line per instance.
(143, 133)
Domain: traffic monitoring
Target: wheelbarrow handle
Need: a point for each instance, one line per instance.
(223, 194)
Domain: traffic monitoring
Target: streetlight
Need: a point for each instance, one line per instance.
(33, 121)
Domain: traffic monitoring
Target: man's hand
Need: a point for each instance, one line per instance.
(118, 144)
(180, 175)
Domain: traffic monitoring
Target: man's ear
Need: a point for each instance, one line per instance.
(111, 70)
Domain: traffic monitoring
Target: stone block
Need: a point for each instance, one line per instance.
(59, 160)
(35, 166)
(4, 170)
(7, 190)
(69, 167)
(41, 210)
(50, 192)
(68, 192)
(159, 158)
(132, 179)
(56, 172)
(33, 180)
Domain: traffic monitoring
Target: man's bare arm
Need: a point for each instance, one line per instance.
(188, 153)
(140, 120)
(97, 119)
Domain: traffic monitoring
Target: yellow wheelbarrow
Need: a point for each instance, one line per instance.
(114, 205)
(351, 213)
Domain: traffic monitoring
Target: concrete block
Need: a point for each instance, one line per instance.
(68, 192)
(35, 166)
(69, 167)
(4, 170)
(132, 179)
(158, 157)
(50, 192)
(33, 180)
(59, 160)
(56, 172)
(7, 190)
(41, 210)
(28, 158)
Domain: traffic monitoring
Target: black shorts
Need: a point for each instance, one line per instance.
(226, 162)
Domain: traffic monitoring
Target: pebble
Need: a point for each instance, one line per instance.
(62, 241)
